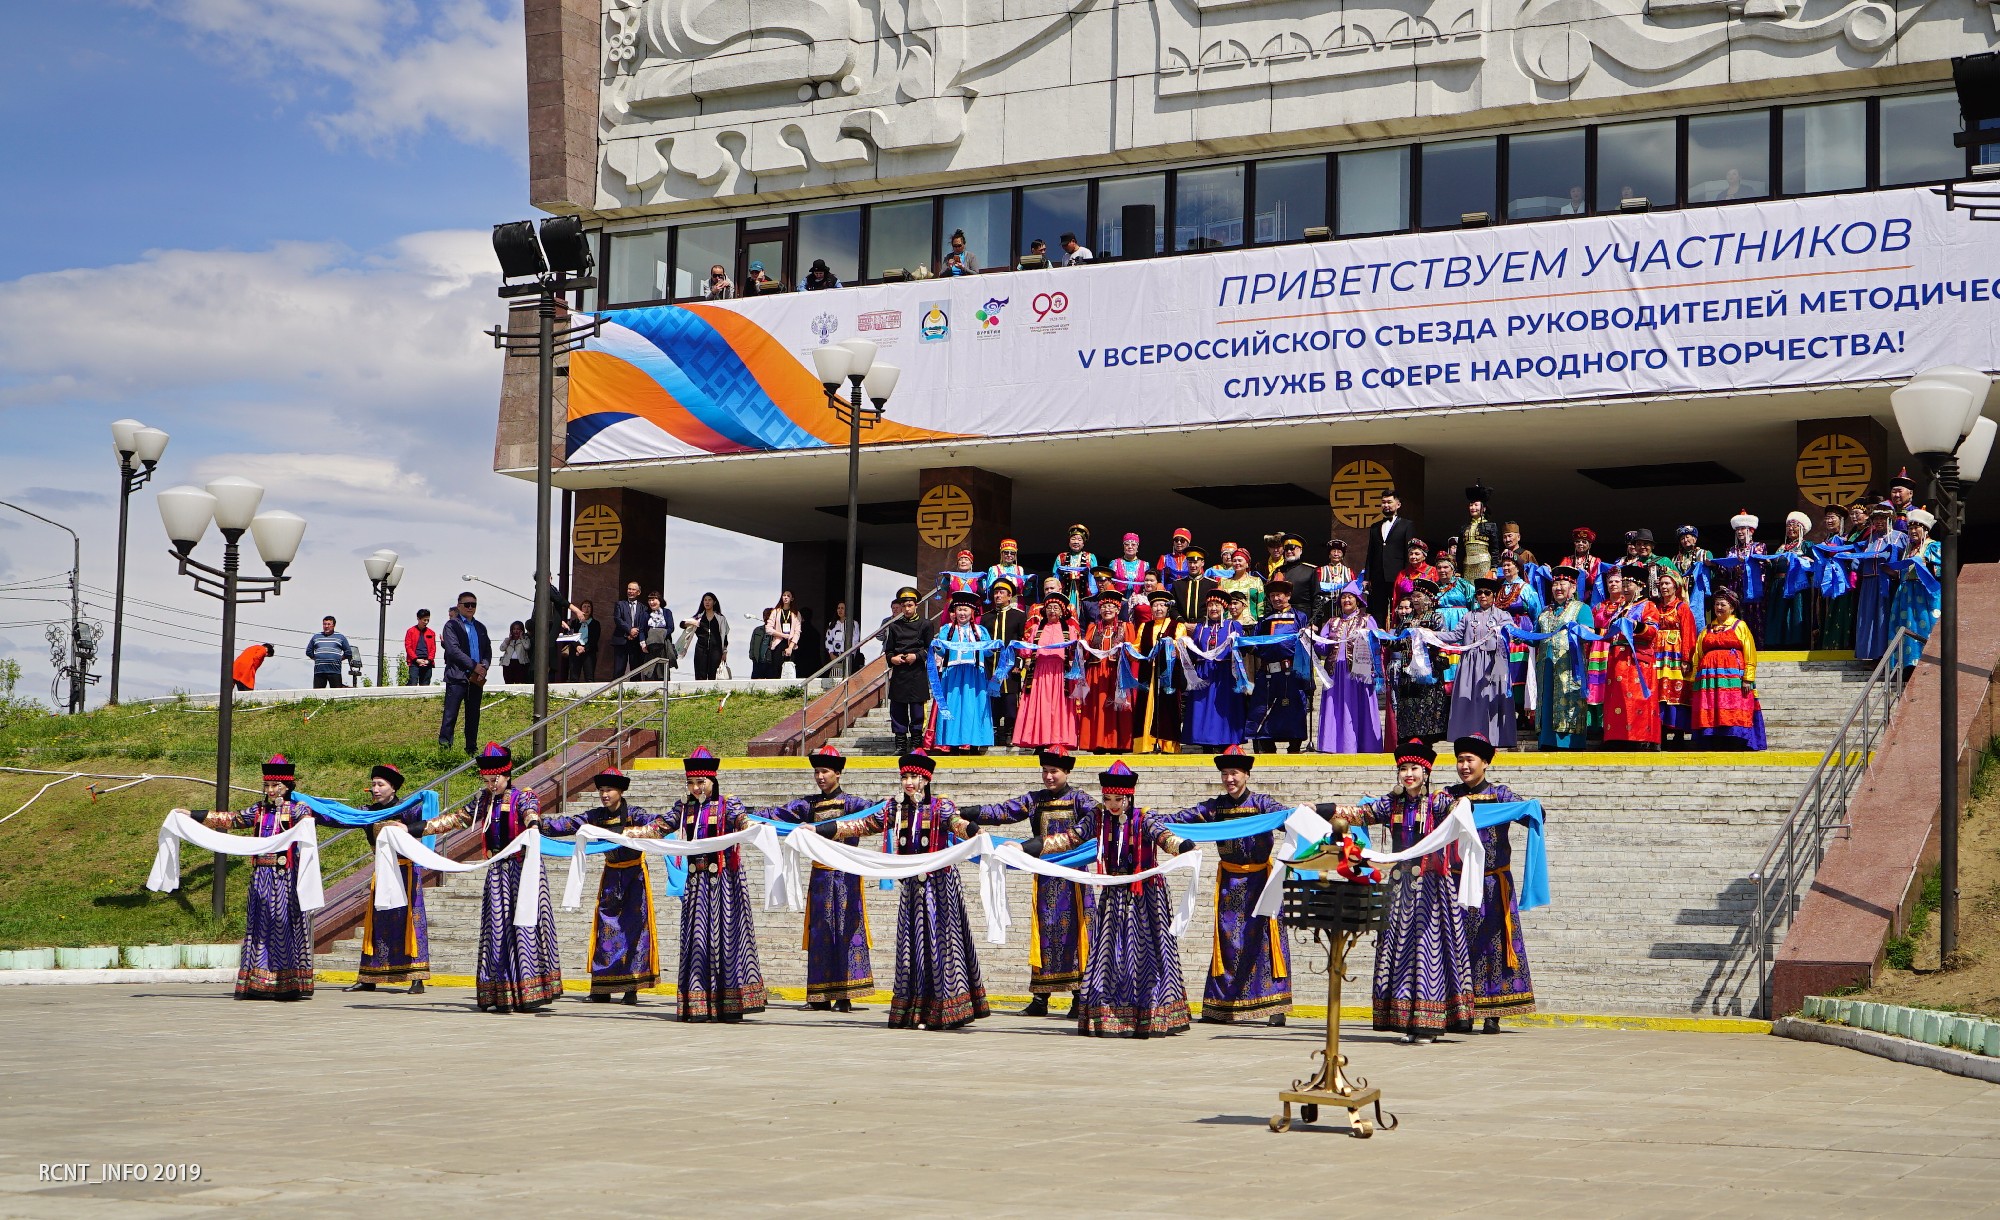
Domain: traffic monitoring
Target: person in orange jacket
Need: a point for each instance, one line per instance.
(247, 661)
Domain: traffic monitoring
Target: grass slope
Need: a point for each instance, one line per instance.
(73, 865)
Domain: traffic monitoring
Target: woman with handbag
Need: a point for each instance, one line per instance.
(782, 626)
(657, 631)
(708, 630)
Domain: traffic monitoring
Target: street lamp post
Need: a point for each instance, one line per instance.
(139, 450)
(559, 262)
(231, 503)
(1938, 413)
(853, 360)
(384, 574)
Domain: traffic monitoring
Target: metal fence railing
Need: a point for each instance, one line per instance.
(846, 667)
(1799, 846)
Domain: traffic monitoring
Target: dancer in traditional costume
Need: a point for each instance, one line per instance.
(1563, 716)
(1501, 984)
(1423, 965)
(1246, 582)
(1128, 571)
(1277, 710)
(1673, 668)
(1213, 701)
(519, 969)
(1788, 621)
(1104, 721)
(1010, 570)
(1915, 607)
(1249, 969)
(1631, 700)
(1726, 713)
(720, 978)
(1745, 571)
(1589, 568)
(1333, 576)
(277, 956)
(1058, 943)
(624, 945)
(1048, 711)
(1005, 621)
(1523, 605)
(1421, 701)
(1076, 567)
(1156, 702)
(1482, 695)
(937, 969)
(1350, 717)
(395, 944)
(1874, 589)
(838, 967)
(964, 708)
(962, 577)
(1180, 561)
(1132, 984)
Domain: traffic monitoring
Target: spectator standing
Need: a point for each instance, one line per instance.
(581, 656)
(628, 621)
(468, 650)
(244, 672)
(710, 633)
(514, 653)
(842, 635)
(657, 631)
(328, 651)
(1074, 254)
(782, 627)
(420, 650)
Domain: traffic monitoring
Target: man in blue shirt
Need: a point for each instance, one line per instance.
(328, 651)
(468, 650)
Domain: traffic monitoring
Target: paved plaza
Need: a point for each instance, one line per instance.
(388, 1105)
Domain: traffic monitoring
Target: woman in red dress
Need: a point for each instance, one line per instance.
(1631, 685)
(1106, 726)
(1047, 715)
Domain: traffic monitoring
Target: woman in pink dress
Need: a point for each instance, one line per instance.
(1048, 711)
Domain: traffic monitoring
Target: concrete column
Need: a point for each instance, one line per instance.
(1838, 461)
(1361, 473)
(617, 535)
(816, 573)
(960, 506)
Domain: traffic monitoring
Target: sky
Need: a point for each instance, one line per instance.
(262, 226)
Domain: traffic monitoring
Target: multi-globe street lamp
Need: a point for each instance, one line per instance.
(384, 574)
(139, 450)
(870, 384)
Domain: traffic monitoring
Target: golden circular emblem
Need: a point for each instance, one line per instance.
(596, 533)
(1356, 492)
(944, 516)
(1833, 470)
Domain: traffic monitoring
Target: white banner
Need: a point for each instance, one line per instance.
(1796, 292)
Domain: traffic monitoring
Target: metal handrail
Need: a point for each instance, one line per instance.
(846, 684)
(654, 670)
(1799, 846)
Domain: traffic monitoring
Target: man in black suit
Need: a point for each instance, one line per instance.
(628, 630)
(468, 650)
(1388, 542)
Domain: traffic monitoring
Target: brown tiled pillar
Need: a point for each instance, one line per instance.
(1839, 461)
(1361, 473)
(617, 535)
(960, 506)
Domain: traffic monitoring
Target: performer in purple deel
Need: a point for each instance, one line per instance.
(624, 952)
(838, 969)
(1500, 981)
(720, 979)
(1132, 984)
(937, 969)
(395, 944)
(277, 958)
(1058, 942)
(1249, 971)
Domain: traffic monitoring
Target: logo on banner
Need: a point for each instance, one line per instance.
(944, 516)
(1833, 470)
(595, 536)
(988, 315)
(1050, 310)
(824, 325)
(934, 321)
(1357, 491)
(881, 319)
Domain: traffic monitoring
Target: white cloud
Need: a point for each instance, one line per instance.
(389, 68)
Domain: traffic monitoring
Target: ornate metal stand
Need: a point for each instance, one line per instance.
(1336, 913)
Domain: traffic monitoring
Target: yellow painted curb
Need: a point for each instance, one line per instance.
(1269, 762)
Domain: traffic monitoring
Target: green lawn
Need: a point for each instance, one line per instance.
(73, 865)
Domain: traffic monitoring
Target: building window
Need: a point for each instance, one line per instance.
(835, 237)
(1826, 147)
(899, 237)
(1915, 139)
(702, 247)
(1459, 176)
(1114, 195)
(988, 221)
(1048, 212)
(1545, 175)
(1637, 161)
(639, 266)
(1291, 198)
(1208, 208)
(1374, 191)
(1729, 156)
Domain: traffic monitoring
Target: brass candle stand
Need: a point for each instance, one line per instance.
(1337, 914)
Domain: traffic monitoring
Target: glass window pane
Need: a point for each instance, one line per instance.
(1291, 198)
(1636, 161)
(988, 220)
(1048, 212)
(1729, 156)
(702, 247)
(638, 267)
(1208, 208)
(1374, 191)
(1916, 131)
(1826, 147)
(1545, 175)
(1460, 176)
(899, 235)
(1114, 195)
(835, 237)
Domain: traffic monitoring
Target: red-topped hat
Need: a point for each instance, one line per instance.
(280, 768)
(829, 757)
(701, 762)
(1235, 758)
(964, 553)
(916, 762)
(1182, 532)
(611, 777)
(1417, 751)
(495, 759)
(1056, 756)
(1119, 778)
(1585, 532)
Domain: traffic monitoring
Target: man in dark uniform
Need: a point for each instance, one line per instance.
(1192, 590)
(1301, 574)
(1005, 621)
(1278, 706)
(905, 641)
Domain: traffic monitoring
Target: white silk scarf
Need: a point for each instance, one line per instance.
(396, 841)
(179, 828)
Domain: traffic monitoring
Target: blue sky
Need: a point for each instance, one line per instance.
(262, 225)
